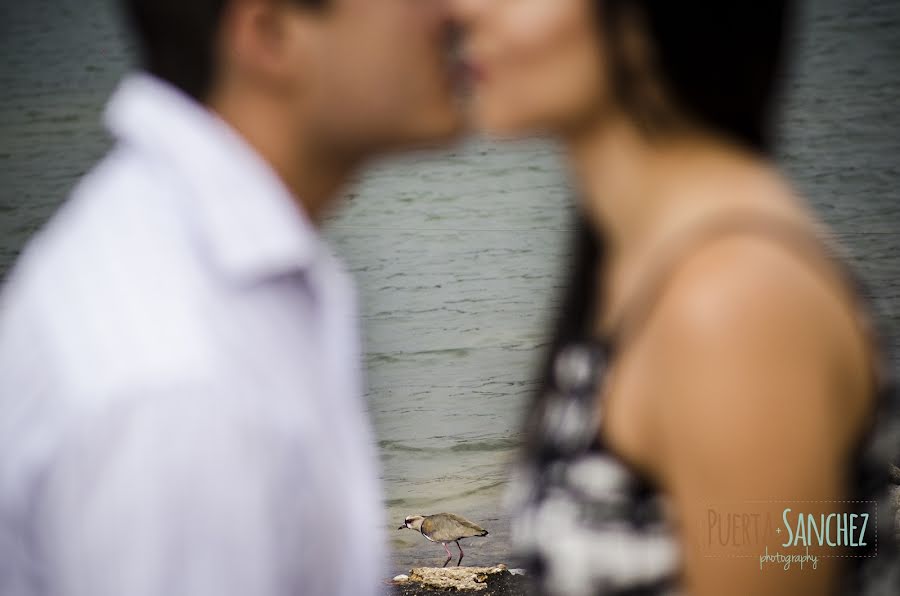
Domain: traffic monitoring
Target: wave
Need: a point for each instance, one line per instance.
(503, 444)
(500, 444)
(428, 501)
(408, 356)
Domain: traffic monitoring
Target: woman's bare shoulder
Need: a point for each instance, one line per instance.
(746, 326)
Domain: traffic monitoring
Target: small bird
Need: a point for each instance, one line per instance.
(444, 528)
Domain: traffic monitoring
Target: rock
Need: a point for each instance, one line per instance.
(895, 474)
(485, 581)
(401, 578)
(454, 578)
(895, 503)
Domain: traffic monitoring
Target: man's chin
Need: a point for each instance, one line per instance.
(431, 131)
(447, 129)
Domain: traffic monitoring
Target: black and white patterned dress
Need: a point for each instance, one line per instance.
(587, 523)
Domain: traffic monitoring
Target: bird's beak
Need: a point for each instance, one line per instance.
(401, 527)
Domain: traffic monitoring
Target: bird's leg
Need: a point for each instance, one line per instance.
(449, 556)
(460, 553)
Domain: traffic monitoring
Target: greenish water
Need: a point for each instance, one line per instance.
(458, 254)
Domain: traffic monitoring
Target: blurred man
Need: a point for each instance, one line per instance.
(180, 409)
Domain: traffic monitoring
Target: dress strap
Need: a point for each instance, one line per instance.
(806, 241)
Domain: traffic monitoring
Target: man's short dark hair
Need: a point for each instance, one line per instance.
(176, 39)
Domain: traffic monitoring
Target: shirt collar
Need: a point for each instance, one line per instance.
(253, 225)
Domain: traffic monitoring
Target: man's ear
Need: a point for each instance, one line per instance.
(266, 40)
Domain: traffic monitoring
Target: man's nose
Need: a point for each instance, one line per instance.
(465, 11)
(439, 8)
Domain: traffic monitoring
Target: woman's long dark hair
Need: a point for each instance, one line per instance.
(718, 64)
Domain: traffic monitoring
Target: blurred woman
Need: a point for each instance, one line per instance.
(713, 346)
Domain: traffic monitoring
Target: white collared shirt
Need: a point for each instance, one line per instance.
(180, 400)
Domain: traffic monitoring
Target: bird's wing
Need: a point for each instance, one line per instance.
(466, 528)
(431, 528)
